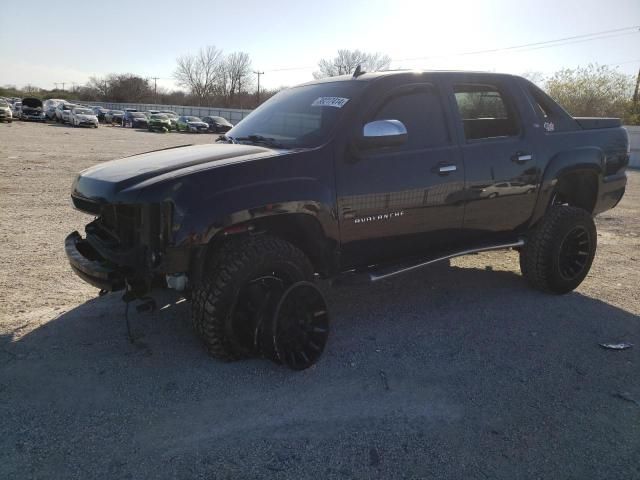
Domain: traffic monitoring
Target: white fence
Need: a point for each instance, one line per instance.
(231, 114)
(634, 138)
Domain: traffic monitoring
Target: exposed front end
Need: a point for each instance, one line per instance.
(126, 246)
(33, 114)
(32, 110)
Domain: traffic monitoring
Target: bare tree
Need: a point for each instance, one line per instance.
(347, 60)
(235, 75)
(200, 73)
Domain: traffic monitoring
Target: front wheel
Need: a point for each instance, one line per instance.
(560, 250)
(234, 303)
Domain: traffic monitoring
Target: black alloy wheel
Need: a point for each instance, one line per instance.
(574, 253)
(300, 326)
(250, 322)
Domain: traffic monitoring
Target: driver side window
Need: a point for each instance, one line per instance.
(421, 113)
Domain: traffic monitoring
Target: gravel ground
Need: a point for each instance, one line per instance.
(457, 371)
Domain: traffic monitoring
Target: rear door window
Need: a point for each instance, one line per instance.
(485, 112)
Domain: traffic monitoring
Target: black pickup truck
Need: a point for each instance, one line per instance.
(363, 176)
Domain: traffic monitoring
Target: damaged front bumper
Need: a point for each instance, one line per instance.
(90, 266)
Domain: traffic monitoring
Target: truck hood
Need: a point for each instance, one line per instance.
(103, 183)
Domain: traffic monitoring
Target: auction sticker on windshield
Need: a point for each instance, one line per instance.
(336, 102)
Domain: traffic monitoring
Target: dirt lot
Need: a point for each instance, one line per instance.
(454, 372)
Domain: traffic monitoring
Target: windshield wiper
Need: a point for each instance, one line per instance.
(257, 140)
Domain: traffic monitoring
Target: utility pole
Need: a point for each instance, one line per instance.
(637, 92)
(155, 87)
(56, 84)
(74, 86)
(63, 85)
(258, 73)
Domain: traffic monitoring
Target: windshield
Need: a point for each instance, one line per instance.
(117, 112)
(158, 117)
(83, 111)
(299, 117)
(3, 103)
(138, 115)
(192, 119)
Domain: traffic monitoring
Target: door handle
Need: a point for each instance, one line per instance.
(444, 169)
(521, 157)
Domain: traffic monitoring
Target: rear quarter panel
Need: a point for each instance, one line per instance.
(601, 151)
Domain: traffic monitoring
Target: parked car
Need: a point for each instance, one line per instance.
(159, 122)
(32, 110)
(66, 112)
(100, 112)
(51, 102)
(173, 118)
(114, 117)
(5, 112)
(16, 108)
(506, 188)
(50, 112)
(349, 178)
(135, 120)
(217, 124)
(191, 124)
(62, 111)
(83, 117)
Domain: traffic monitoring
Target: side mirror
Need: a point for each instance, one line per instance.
(383, 133)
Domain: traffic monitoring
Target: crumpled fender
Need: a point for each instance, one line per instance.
(252, 202)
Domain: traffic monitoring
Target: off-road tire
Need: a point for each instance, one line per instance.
(227, 271)
(540, 258)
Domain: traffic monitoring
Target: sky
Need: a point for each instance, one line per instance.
(44, 42)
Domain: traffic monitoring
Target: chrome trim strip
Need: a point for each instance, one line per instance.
(524, 158)
(448, 168)
(373, 277)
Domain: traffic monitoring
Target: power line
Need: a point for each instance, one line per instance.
(551, 43)
(604, 34)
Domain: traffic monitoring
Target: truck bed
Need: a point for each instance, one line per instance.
(591, 123)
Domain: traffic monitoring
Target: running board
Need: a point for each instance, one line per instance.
(391, 271)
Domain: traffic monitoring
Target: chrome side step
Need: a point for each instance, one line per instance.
(389, 272)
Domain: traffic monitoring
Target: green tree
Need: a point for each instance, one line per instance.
(592, 91)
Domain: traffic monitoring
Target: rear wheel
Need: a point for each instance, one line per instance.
(559, 252)
(234, 303)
